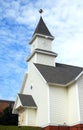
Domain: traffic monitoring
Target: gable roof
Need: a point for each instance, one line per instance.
(60, 74)
(42, 29)
(27, 100)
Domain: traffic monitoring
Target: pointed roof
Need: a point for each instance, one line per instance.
(42, 29)
(27, 100)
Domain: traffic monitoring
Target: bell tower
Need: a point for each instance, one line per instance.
(41, 46)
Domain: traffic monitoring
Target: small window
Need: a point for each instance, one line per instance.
(31, 87)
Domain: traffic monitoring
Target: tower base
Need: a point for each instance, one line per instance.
(75, 127)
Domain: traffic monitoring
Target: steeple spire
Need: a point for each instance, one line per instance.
(42, 29)
(41, 45)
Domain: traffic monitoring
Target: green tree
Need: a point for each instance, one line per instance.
(8, 118)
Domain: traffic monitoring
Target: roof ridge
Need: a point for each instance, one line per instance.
(69, 65)
(61, 64)
(44, 65)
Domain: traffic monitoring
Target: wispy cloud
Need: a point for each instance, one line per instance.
(18, 19)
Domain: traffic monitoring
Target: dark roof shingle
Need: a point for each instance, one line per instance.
(27, 100)
(42, 28)
(61, 74)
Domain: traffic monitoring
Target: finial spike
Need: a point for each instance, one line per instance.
(40, 11)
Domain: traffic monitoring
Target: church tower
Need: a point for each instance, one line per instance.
(49, 89)
(41, 46)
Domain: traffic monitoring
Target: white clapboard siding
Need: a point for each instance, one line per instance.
(80, 90)
(41, 43)
(73, 112)
(39, 92)
(58, 105)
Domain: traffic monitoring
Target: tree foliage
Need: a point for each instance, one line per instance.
(8, 118)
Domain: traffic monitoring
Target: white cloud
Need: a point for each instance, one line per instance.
(71, 51)
(64, 19)
(66, 24)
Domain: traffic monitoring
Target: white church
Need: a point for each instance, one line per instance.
(52, 93)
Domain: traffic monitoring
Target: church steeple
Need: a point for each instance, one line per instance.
(42, 29)
(41, 46)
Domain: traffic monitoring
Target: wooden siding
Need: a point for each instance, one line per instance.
(58, 105)
(31, 117)
(22, 115)
(39, 92)
(80, 90)
(41, 43)
(73, 112)
(45, 59)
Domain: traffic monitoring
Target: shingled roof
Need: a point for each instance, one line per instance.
(61, 74)
(27, 100)
(42, 29)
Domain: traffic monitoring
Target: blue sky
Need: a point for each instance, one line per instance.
(18, 19)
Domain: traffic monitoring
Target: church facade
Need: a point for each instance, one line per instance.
(52, 93)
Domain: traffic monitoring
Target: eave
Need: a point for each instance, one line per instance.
(41, 52)
(23, 83)
(67, 84)
(79, 76)
(25, 107)
(61, 85)
(40, 35)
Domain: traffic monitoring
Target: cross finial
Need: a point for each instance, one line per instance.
(40, 11)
